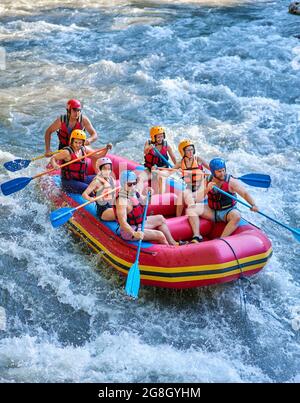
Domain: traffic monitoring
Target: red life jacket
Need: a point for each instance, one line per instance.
(78, 169)
(192, 175)
(217, 200)
(151, 158)
(135, 217)
(65, 131)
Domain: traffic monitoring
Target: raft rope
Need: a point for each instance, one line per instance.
(243, 298)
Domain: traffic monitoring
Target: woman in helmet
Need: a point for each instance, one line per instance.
(73, 177)
(129, 211)
(152, 158)
(220, 207)
(65, 124)
(191, 167)
(158, 141)
(102, 183)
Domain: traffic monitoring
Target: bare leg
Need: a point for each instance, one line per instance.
(194, 212)
(154, 235)
(159, 222)
(179, 204)
(233, 219)
(108, 215)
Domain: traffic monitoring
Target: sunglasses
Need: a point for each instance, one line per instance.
(129, 184)
(76, 109)
(189, 149)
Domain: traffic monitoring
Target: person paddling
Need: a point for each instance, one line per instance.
(74, 177)
(129, 213)
(102, 183)
(220, 207)
(65, 124)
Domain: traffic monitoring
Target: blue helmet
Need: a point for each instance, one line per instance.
(216, 164)
(127, 176)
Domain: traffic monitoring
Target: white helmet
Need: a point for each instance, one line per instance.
(103, 161)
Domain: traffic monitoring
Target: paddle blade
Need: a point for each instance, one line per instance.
(256, 180)
(296, 233)
(140, 168)
(133, 281)
(16, 165)
(176, 184)
(61, 216)
(14, 185)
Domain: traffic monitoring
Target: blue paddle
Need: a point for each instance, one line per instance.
(162, 157)
(62, 215)
(18, 164)
(295, 231)
(133, 278)
(255, 180)
(17, 184)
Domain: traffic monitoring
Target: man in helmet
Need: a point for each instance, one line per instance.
(74, 176)
(220, 207)
(65, 124)
(101, 184)
(129, 211)
(191, 168)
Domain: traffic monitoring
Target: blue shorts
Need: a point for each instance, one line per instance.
(74, 186)
(221, 215)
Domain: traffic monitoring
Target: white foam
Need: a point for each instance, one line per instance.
(117, 358)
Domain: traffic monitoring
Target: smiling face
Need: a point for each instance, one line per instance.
(77, 144)
(159, 138)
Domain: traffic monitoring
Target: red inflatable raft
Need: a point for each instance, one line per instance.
(213, 261)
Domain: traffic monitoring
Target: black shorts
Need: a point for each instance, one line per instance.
(101, 208)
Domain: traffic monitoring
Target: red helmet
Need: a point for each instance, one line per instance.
(73, 103)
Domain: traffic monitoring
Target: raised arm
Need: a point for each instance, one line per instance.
(147, 147)
(90, 129)
(52, 128)
(171, 154)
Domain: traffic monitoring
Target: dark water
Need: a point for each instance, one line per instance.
(228, 78)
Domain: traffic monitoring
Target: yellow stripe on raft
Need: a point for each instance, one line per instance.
(170, 270)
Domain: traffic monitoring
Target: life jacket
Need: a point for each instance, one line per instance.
(151, 158)
(135, 217)
(105, 186)
(78, 169)
(217, 200)
(65, 131)
(193, 175)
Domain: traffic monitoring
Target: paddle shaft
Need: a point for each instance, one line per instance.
(67, 163)
(97, 198)
(248, 205)
(43, 156)
(162, 157)
(142, 229)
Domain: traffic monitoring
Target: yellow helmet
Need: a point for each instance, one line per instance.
(77, 134)
(183, 144)
(155, 130)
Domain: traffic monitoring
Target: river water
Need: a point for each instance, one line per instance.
(225, 74)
